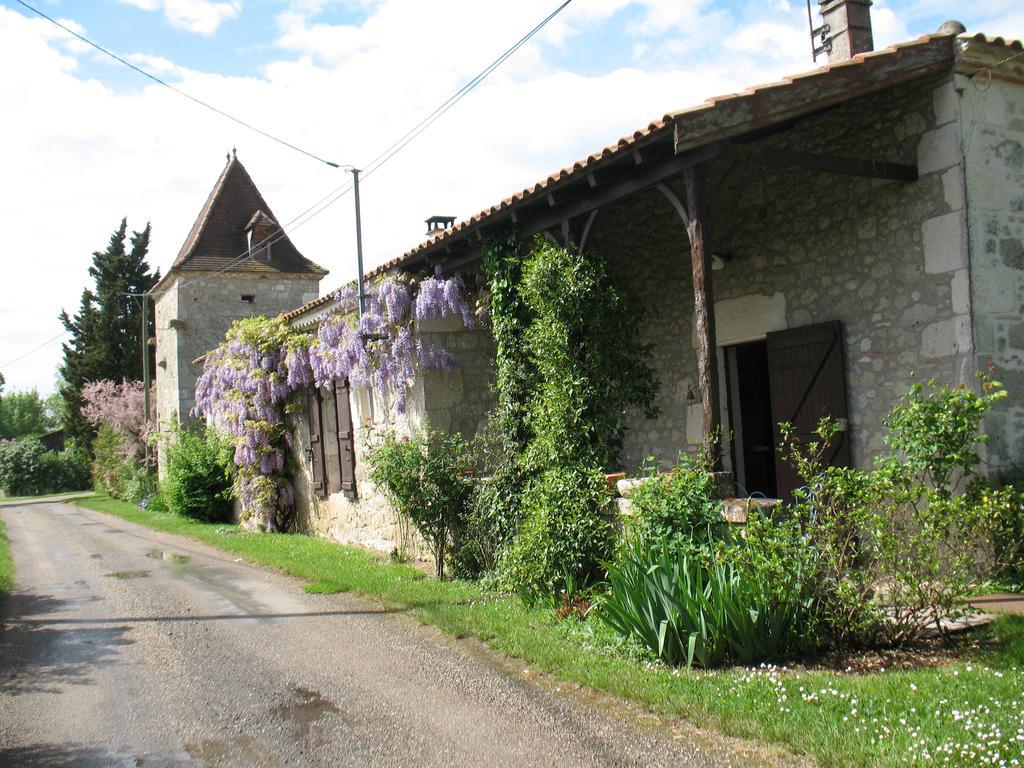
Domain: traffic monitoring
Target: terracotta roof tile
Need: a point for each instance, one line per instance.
(874, 70)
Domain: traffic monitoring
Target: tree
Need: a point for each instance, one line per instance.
(120, 407)
(23, 413)
(106, 331)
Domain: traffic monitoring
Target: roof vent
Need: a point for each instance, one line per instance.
(845, 30)
(439, 224)
(952, 27)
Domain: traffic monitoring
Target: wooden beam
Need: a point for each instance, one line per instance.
(703, 298)
(844, 166)
(643, 177)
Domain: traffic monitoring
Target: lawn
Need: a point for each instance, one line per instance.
(966, 713)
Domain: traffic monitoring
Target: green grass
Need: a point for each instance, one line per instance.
(6, 564)
(884, 719)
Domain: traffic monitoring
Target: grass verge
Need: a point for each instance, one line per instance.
(6, 564)
(967, 713)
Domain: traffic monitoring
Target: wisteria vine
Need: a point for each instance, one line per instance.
(248, 384)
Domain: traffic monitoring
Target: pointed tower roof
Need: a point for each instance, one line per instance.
(218, 237)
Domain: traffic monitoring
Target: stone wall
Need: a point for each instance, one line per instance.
(453, 402)
(885, 258)
(202, 312)
(991, 121)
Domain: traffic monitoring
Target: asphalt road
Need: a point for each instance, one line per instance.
(124, 646)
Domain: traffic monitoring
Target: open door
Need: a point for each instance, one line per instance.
(807, 381)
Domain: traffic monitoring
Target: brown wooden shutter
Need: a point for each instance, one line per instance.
(315, 418)
(346, 438)
(808, 381)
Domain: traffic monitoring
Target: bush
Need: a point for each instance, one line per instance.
(901, 546)
(28, 469)
(688, 612)
(111, 468)
(426, 479)
(679, 510)
(587, 370)
(564, 536)
(494, 513)
(1008, 537)
(23, 467)
(67, 470)
(198, 483)
(140, 485)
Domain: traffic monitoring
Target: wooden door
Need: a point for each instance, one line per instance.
(315, 452)
(346, 439)
(808, 381)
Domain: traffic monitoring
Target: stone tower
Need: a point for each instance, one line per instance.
(236, 262)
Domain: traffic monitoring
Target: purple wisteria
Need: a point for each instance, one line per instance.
(248, 382)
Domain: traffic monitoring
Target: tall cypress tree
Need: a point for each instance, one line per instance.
(106, 332)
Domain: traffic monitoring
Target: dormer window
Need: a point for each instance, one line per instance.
(259, 235)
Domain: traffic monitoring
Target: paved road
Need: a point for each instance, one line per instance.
(123, 646)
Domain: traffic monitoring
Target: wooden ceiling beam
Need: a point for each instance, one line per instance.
(842, 166)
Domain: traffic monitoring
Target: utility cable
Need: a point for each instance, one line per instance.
(393, 149)
(32, 351)
(177, 90)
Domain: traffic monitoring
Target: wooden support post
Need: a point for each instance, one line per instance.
(703, 297)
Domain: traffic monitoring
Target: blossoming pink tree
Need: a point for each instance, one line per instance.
(120, 407)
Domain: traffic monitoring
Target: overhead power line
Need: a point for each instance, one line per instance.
(393, 149)
(32, 351)
(403, 141)
(177, 90)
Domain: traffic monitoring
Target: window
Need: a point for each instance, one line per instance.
(248, 298)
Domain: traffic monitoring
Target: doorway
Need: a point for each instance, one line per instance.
(795, 376)
(750, 418)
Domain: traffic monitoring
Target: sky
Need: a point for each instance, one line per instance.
(85, 141)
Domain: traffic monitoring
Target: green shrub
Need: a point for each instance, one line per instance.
(198, 482)
(67, 470)
(587, 369)
(494, 514)
(901, 546)
(1008, 536)
(28, 469)
(140, 485)
(778, 562)
(564, 536)
(679, 509)
(688, 612)
(111, 468)
(23, 470)
(426, 479)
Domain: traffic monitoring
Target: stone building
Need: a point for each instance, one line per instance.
(808, 247)
(236, 262)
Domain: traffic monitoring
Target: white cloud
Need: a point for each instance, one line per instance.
(81, 155)
(158, 65)
(200, 16)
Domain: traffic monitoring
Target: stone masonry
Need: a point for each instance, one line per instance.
(885, 258)
(192, 318)
(990, 119)
(453, 402)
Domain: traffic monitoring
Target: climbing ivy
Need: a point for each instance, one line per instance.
(570, 368)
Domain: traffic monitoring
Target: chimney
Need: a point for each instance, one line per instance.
(846, 28)
(437, 224)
